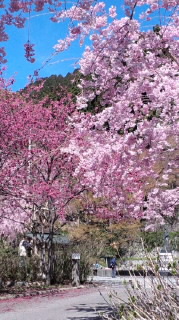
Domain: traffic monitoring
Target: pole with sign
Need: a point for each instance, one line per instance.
(75, 269)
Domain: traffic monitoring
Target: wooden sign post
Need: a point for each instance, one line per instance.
(75, 269)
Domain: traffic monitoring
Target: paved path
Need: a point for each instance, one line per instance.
(121, 280)
(71, 304)
(74, 304)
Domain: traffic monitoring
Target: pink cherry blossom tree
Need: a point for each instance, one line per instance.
(134, 75)
(37, 182)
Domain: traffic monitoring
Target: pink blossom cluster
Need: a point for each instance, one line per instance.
(162, 207)
(29, 52)
(4, 82)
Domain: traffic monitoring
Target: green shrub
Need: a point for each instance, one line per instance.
(9, 264)
(62, 270)
(14, 268)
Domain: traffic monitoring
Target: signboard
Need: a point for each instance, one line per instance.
(76, 256)
(166, 258)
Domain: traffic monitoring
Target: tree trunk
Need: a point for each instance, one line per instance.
(47, 254)
(50, 259)
(43, 265)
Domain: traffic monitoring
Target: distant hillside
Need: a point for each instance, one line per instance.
(56, 86)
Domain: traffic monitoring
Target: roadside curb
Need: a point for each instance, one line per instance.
(42, 293)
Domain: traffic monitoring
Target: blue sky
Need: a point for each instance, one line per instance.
(44, 34)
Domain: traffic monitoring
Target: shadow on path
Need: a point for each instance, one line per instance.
(86, 309)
